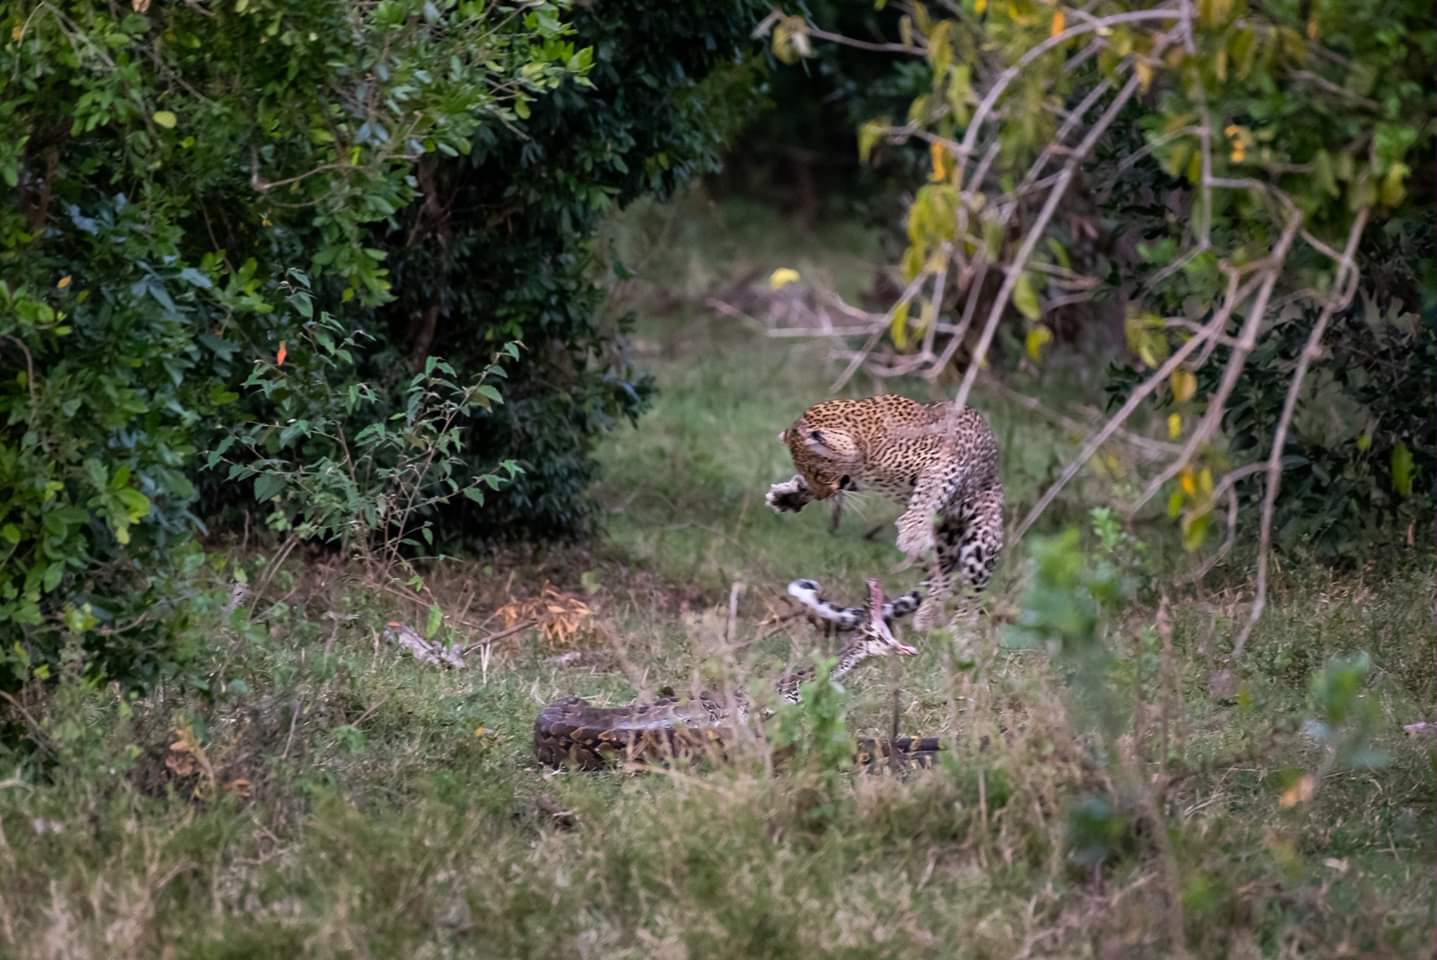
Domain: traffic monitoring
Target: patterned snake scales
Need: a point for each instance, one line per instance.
(592, 737)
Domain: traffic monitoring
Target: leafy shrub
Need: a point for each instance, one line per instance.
(371, 491)
(168, 164)
(1360, 459)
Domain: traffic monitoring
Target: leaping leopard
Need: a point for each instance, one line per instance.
(944, 470)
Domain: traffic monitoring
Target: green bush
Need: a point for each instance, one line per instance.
(168, 165)
(368, 491)
(1360, 458)
(433, 171)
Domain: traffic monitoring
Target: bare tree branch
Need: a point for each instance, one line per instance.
(1344, 284)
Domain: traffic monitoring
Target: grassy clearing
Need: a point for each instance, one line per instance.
(335, 798)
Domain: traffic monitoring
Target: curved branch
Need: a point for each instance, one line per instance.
(1344, 286)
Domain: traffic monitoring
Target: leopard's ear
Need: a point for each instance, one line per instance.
(831, 444)
(783, 436)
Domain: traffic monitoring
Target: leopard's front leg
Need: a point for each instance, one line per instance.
(789, 496)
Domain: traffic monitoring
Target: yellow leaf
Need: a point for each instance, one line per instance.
(1364, 442)
(1393, 191)
(980, 6)
(64, 282)
(1037, 338)
(1144, 72)
(782, 277)
(898, 329)
(1059, 23)
(1175, 426)
(939, 155)
(280, 354)
(1205, 481)
(16, 32)
(868, 136)
(1025, 298)
(164, 118)
(1402, 469)
(1175, 504)
(1145, 352)
(1195, 530)
(1312, 28)
(1299, 792)
(1184, 385)
(1188, 481)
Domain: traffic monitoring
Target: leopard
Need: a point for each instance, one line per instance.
(940, 462)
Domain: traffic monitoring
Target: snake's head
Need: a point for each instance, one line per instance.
(880, 640)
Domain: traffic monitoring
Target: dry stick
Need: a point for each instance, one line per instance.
(522, 625)
(956, 341)
(976, 285)
(1030, 241)
(732, 613)
(1151, 448)
(1344, 286)
(908, 294)
(938, 284)
(1233, 296)
(884, 47)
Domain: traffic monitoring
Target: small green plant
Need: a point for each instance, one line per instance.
(814, 728)
(1343, 724)
(372, 491)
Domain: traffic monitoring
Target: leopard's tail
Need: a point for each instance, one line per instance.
(808, 593)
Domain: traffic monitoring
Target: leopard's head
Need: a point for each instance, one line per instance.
(825, 454)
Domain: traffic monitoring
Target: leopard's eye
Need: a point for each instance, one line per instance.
(816, 436)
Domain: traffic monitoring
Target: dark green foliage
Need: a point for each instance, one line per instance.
(801, 153)
(1361, 457)
(500, 246)
(167, 168)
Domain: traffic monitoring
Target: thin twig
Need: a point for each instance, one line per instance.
(1030, 242)
(495, 637)
(1343, 288)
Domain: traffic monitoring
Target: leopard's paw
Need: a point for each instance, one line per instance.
(915, 540)
(787, 497)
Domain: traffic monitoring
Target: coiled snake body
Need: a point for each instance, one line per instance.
(575, 731)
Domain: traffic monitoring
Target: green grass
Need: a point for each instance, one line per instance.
(378, 807)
